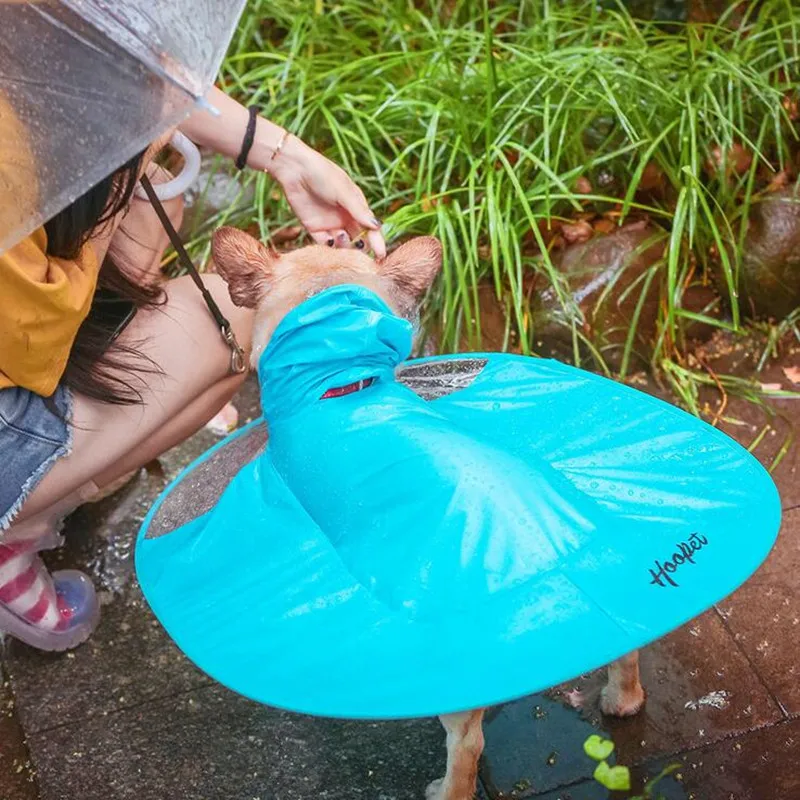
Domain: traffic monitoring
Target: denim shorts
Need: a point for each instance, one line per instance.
(32, 438)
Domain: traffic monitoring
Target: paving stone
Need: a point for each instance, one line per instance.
(700, 689)
(585, 790)
(758, 765)
(761, 765)
(214, 745)
(764, 616)
(17, 779)
(534, 745)
(129, 659)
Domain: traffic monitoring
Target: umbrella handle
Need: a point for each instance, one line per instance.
(185, 178)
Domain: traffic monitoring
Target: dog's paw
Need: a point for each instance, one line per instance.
(434, 790)
(621, 704)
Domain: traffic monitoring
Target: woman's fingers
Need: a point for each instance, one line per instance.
(353, 202)
(377, 243)
(361, 237)
(364, 221)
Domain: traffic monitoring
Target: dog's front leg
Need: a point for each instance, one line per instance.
(464, 748)
(623, 695)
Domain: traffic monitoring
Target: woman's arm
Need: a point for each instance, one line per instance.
(224, 134)
(328, 204)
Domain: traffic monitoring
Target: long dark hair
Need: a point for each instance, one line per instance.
(99, 367)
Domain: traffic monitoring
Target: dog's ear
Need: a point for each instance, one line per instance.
(244, 263)
(414, 265)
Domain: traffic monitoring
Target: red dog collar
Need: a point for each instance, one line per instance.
(341, 391)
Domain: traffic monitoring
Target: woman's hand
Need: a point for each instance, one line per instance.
(327, 203)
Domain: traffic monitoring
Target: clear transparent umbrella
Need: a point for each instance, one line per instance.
(87, 84)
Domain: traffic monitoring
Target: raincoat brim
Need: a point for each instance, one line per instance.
(257, 596)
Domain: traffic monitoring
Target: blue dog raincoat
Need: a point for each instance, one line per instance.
(442, 535)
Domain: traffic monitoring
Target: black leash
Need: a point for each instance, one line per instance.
(238, 361)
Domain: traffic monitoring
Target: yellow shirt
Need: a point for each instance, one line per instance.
(43, 302)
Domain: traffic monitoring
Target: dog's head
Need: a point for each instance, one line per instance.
(274, 284)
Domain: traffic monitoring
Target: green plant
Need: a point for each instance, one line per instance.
(618, 778)
(476, 121)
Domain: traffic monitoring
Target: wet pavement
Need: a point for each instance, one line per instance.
(126, 716)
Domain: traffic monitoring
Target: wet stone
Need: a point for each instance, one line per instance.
(534, 745)
(770, 272)
(700, 689)
(759, 765)
(659, 10)
(604, 281)
(214, 745)
(129, 659)
(17, 777)
(585, 790)
(764, 616)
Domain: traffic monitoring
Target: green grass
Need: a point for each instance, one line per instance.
(473, 120)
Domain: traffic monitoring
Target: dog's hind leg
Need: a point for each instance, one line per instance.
(464, 748)
(623, 695)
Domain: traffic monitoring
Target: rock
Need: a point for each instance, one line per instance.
(659, 10)
(769, 284)
(604, 279)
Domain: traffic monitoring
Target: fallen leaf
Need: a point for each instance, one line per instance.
(780, 181)
(652, 177)
(225, 422)
(598, 748)
(583, 185)
(578, 233)
(738, 159)
(770, 387)
(616, 779)
(604, 226)
(792, 373)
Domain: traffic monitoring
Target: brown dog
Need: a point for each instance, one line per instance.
(273, 285)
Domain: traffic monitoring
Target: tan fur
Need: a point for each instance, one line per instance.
(275, 284)
(623, 695)
(464, 749)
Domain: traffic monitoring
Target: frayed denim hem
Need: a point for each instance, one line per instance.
(36, 477)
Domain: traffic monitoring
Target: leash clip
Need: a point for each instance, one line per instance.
(238, 361)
